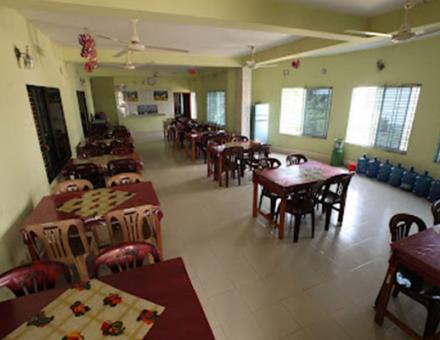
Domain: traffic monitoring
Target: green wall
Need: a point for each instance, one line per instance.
(415, 62)
(22, 174)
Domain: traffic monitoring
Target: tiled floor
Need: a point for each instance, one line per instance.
(253, 286)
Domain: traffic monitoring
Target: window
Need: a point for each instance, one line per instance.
(216, 103)
(382, 117)
(305, 111)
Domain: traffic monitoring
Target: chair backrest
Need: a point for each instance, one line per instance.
(124, 178)
(205, 137)
(34, 277)
(268, 163)
(137, 223)
(55, 238)
(337, 186)
(242, 139)
(233, 154)
(71, 185)
(220, 139)
(101, 147)
(435, 208)
(295, 158)
(118, 166)
(120, 133)
(401, 224)
(126, 256)
(307, 192)
(88, 151)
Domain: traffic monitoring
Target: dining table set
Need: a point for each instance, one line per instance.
(98, 267)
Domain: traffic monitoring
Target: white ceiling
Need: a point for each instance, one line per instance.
(199, 40)
(357, 7)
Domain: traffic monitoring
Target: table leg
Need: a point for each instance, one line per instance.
(193, 143)
(282, 218)
(254, 200)
(208, 160)
(185, 142)
(384, 295)
(220, 170)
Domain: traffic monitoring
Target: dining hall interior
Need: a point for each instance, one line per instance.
(231, 170)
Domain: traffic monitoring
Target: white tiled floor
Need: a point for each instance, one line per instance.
(254, 286)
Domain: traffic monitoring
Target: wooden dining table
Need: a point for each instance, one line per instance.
(166, 283)
(48, 209)
(102, 161)
(193, 138)
(420, 254)
(284, 180)
(217, 152)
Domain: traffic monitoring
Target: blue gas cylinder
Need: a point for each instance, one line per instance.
(396, 175)
(408, 179)
(422, 185)
(434, 191)
(373, 167)
(362, 165)
(384, 171)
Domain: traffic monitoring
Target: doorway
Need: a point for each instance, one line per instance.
(84, 112)
(182, 104)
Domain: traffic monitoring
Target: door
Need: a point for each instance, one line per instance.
(260, 126)
(82, 103)
(182, 104)
(51, 128)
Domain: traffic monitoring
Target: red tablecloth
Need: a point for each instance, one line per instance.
(46, 210)
(421, 254)
(165, 283)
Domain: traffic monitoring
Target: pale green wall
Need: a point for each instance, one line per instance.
(104, 97)
(221, 80)
(22, 174)
(415, 62)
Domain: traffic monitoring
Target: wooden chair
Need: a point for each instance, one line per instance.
(410, 284)
(233, 163)
(71, 185)
(269, 163)
(124, 178)
(88, 171)
(333, 195)
(435, 208)
(34, 277)
(118, 166)
(295, 158)
(126, 256)
(138, 224)
(302, 203)
(59, 240)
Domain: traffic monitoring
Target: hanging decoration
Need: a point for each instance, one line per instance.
(296, 63)
(88, 51)
(192, 71)
(380, 65)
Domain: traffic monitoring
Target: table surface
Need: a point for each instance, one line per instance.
(46, 210)
(102, 160)
(166, 283)
(420, 253)
(222, 147)
(291, 176)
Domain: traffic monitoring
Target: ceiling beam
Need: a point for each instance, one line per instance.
(105, 56)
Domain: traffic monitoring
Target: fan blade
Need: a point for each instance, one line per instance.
(169, 49)
(121, 52)
(266, 66)
(369, 34)
(111, 39)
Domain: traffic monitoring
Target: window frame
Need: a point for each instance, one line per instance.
(383, 88)
(437, 154)
(207, 108)
(306, 89)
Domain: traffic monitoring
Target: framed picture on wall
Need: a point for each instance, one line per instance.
(160, 95)
(131, 96)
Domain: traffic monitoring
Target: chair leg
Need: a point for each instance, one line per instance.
(313, 222)
(296, 228)
(432, 321)
(328, 215)
(396, 291)
(238, 176)
(226, 178)
(273, 202)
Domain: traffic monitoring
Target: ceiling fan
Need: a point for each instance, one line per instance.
(135, 45)
(129, 65)
(404, 33)
(252, 64)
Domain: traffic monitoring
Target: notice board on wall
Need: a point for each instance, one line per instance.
(144, 102)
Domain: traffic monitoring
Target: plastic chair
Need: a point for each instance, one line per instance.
(295, 158)
(124, 178)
